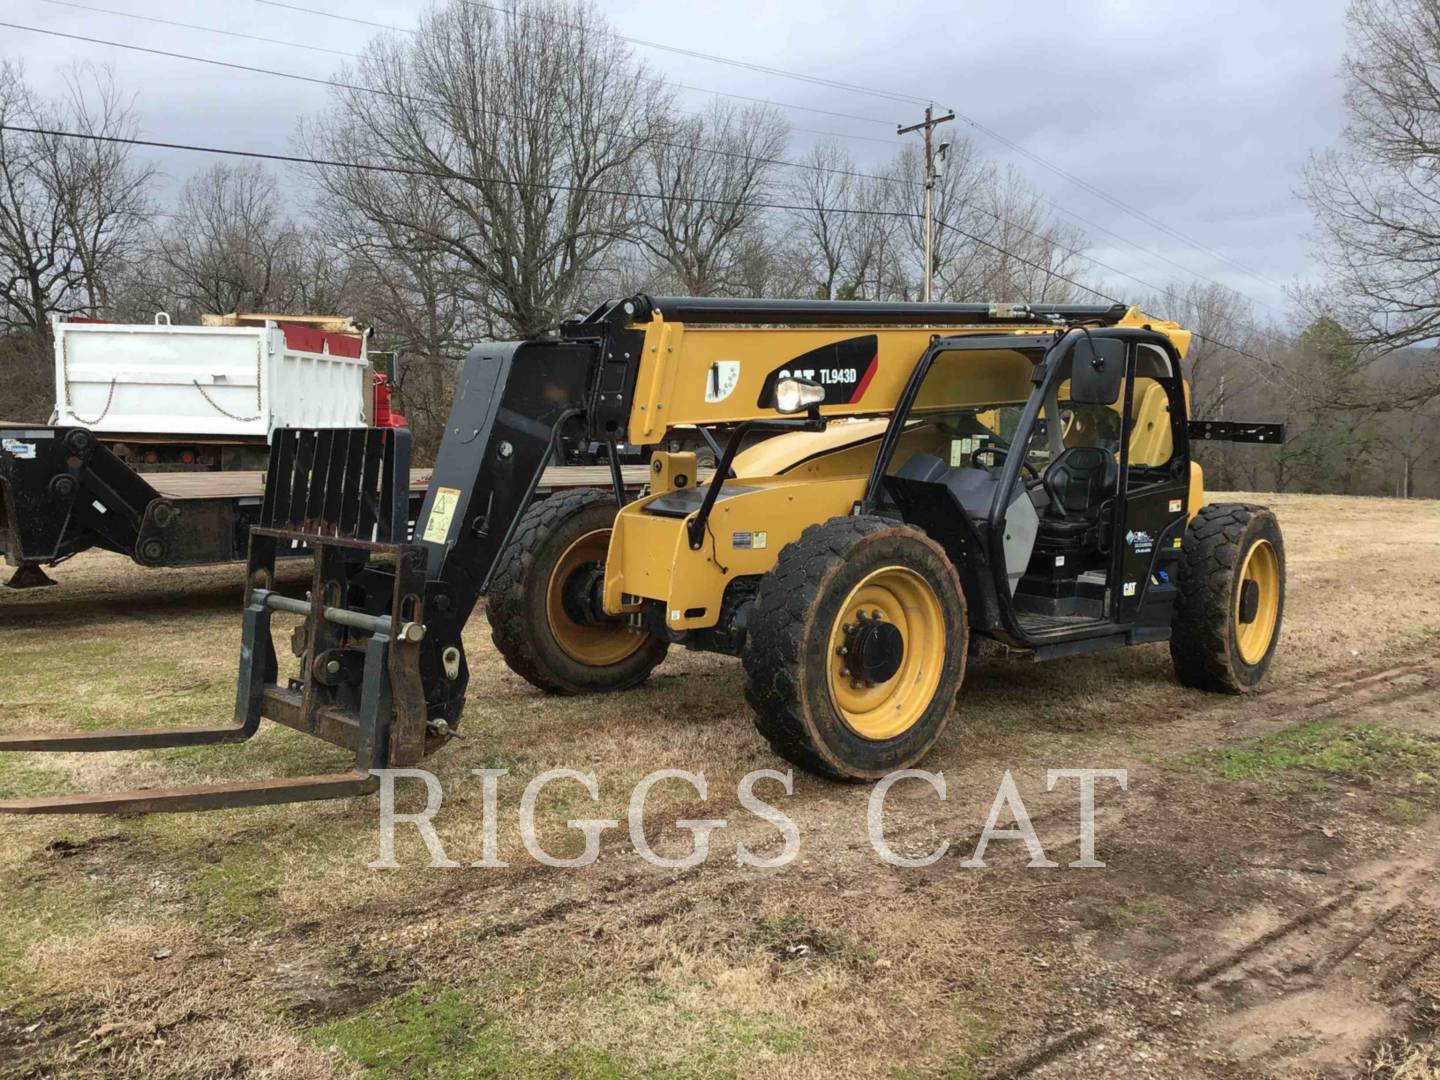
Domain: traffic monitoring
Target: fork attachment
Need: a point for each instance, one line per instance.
(382, 656)
(359, 686)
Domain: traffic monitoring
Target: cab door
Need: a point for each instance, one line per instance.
(1154, 485)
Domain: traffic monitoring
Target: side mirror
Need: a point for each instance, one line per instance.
(1096, 371)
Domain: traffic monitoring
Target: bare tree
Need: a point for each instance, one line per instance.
(1376, 196)
(879, 242)
(1029, 256)
(71, 210)
(319, 274)
(846, 225)
(228, 246)
(767, 263)
(961, 224)
(522, 124)
(701, 176)
(416, 295)
(824, 190)
(1221, 321)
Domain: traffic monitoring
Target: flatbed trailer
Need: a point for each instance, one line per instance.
(64, 491)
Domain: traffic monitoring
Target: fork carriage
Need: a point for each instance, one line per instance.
(341, 494)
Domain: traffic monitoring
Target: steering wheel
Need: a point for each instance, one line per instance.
(1004, 453)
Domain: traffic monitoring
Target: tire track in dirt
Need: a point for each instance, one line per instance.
(1067, 1044)
(1194, 731)
(1293, 925)
(1303, 995)
(1295, 994)
(615, 895)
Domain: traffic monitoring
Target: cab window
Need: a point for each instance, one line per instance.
(1152, 423)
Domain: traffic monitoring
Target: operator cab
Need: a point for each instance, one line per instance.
(1073, 493)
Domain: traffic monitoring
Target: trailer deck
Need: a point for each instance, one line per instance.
(62, 491)
(183, 486)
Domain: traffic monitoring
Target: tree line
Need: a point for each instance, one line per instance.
(498, 171)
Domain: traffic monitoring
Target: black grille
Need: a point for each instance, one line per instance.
(352, 483)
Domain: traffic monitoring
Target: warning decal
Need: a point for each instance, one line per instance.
(442, 514)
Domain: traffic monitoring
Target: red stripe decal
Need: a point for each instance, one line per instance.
(864, 382)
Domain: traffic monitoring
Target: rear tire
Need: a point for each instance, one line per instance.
(557, 539)
(1232, 598)
(882, 704)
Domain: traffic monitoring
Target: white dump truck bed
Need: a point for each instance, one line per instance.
(222, 382)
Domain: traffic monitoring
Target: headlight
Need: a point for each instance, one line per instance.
(795, 395)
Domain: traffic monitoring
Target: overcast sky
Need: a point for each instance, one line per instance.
(1197, 115)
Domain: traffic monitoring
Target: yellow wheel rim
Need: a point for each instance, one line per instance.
(1260, 575)
(884, 708)
(595, 646)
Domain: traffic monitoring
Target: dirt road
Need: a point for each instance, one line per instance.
(1267, 907)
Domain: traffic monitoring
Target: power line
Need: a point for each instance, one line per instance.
(205, 29)
(296, 159)
(316, 80)
(681, 86)
(336, 83)
(695, 147)
(683, 146)
(977, 125)
(1132, 244)
(714, 150)
(695, 54)
(1266, 363)
(1116, 202)
(1028, 262)
(912, 99)
(1074, 252)
(356, 56)
(358, 166)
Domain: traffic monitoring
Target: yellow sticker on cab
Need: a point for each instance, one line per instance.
(442, 514)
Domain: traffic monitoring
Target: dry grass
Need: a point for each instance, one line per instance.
(281, 954)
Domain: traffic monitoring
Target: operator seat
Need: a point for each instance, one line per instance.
(973, 490)
(1079, 482)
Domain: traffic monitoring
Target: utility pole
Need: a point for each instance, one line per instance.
(932, 158)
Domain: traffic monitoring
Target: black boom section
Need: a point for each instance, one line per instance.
(507, 415)
(515, 401)
(698, 310)
(1235, 431)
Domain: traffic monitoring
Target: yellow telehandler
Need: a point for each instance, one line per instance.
(890, 482)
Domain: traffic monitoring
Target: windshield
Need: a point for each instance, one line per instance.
(967, 412)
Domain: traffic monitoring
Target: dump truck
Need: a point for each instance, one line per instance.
(895, 483)
(160, 434)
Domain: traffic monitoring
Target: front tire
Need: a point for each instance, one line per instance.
(538, 599)
(1232, 598)
(856, 648)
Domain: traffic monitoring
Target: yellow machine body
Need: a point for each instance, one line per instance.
(796, 479)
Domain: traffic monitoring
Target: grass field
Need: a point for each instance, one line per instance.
(1270, 904)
